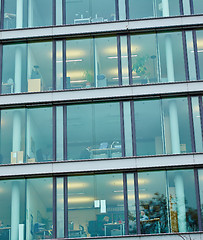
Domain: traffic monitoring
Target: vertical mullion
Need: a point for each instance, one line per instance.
(137, 205)
(54, 65)
(129, 59)
(197, 191)
(196, 54)
(54, 12)
(54, 208)
(185, 56)
(133, 127)
(181, 7)
(201, 114)
(122, 129)
(64, 64)
(191, 7)
(54, 133)
(1, 63)
(63, 11)
(65, 132)
(125, 192)
(192, 133)
(65, 207)
(117, 10)
(25, 134)
(127, 9)
(2, 14)
(119, 60)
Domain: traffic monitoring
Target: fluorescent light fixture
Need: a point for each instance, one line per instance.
(78, 81)
(199, 51)
(103, 206)
(96, 203)
(70, 60)
(115, 57)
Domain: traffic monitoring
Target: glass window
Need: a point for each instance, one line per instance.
(157, 58)
(93, 131)
(15, 14)
(29, 68)
(39, 66)
(14, 79)
(153, 202)
(39, 208)
(87, 11)
(12, 214)
(200, 51)
(148, 127)
(39, 141)
(95, 206)
(177, 126)
(91, 63)
(60, 207)
(39, 13)
(153, 8)
(182, 201)
(198, 6)
(200, 173)
(12, 136)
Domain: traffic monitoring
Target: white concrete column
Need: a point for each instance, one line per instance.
(165, 7)
(18, 70)
(180, 198)
(16, 131)
(15, 211)
(174, 127)
(169, 60)
(19, 13)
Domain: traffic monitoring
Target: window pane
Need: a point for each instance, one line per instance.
(200, 51)
(182, 201)
(14, 78)
(93, 131)
(154, 212)
(200, 173)
(95, 206)
(39, 210)
(177, 126)
(87, 11)
(12, 136)
(59, 65)
(198, 6)
(153, 8)
(12, 214)
(39, 135)
(60, 207)
(59, 133)
(148, 127)
(39, 66)
(39, 13)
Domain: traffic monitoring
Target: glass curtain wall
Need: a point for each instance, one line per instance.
(93, 131)
(87, 11)
(95, 205)
(167, 132)
(157, 58)
(29, 68)
(28, 13)
(198, 6)
(199, 35)
(91, 62)
(153, 8)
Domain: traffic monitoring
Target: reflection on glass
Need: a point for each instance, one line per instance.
(198, 6)
(95, 206)
(12, 136)
(182, 201)
(59, 133)
(124, 60)
(131, 204)
(93, 131)
(153, 202)
(60, 207)
(12, 212)
(200, 173)
(153, 8)
(148, 127)
(177, 126)
(87, 11)
(157, 58)
(39, 66)
(39, 135)
(91, 63)
(59, 65)
(39, 208)
(200, 51)
(14, 78)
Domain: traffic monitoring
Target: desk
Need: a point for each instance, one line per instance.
(105, 153)
(151, 222)
(115, 229)
(5, 233)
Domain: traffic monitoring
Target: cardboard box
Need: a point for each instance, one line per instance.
(17, 157)
(34, 85)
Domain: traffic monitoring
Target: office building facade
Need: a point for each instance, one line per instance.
(101, 111)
